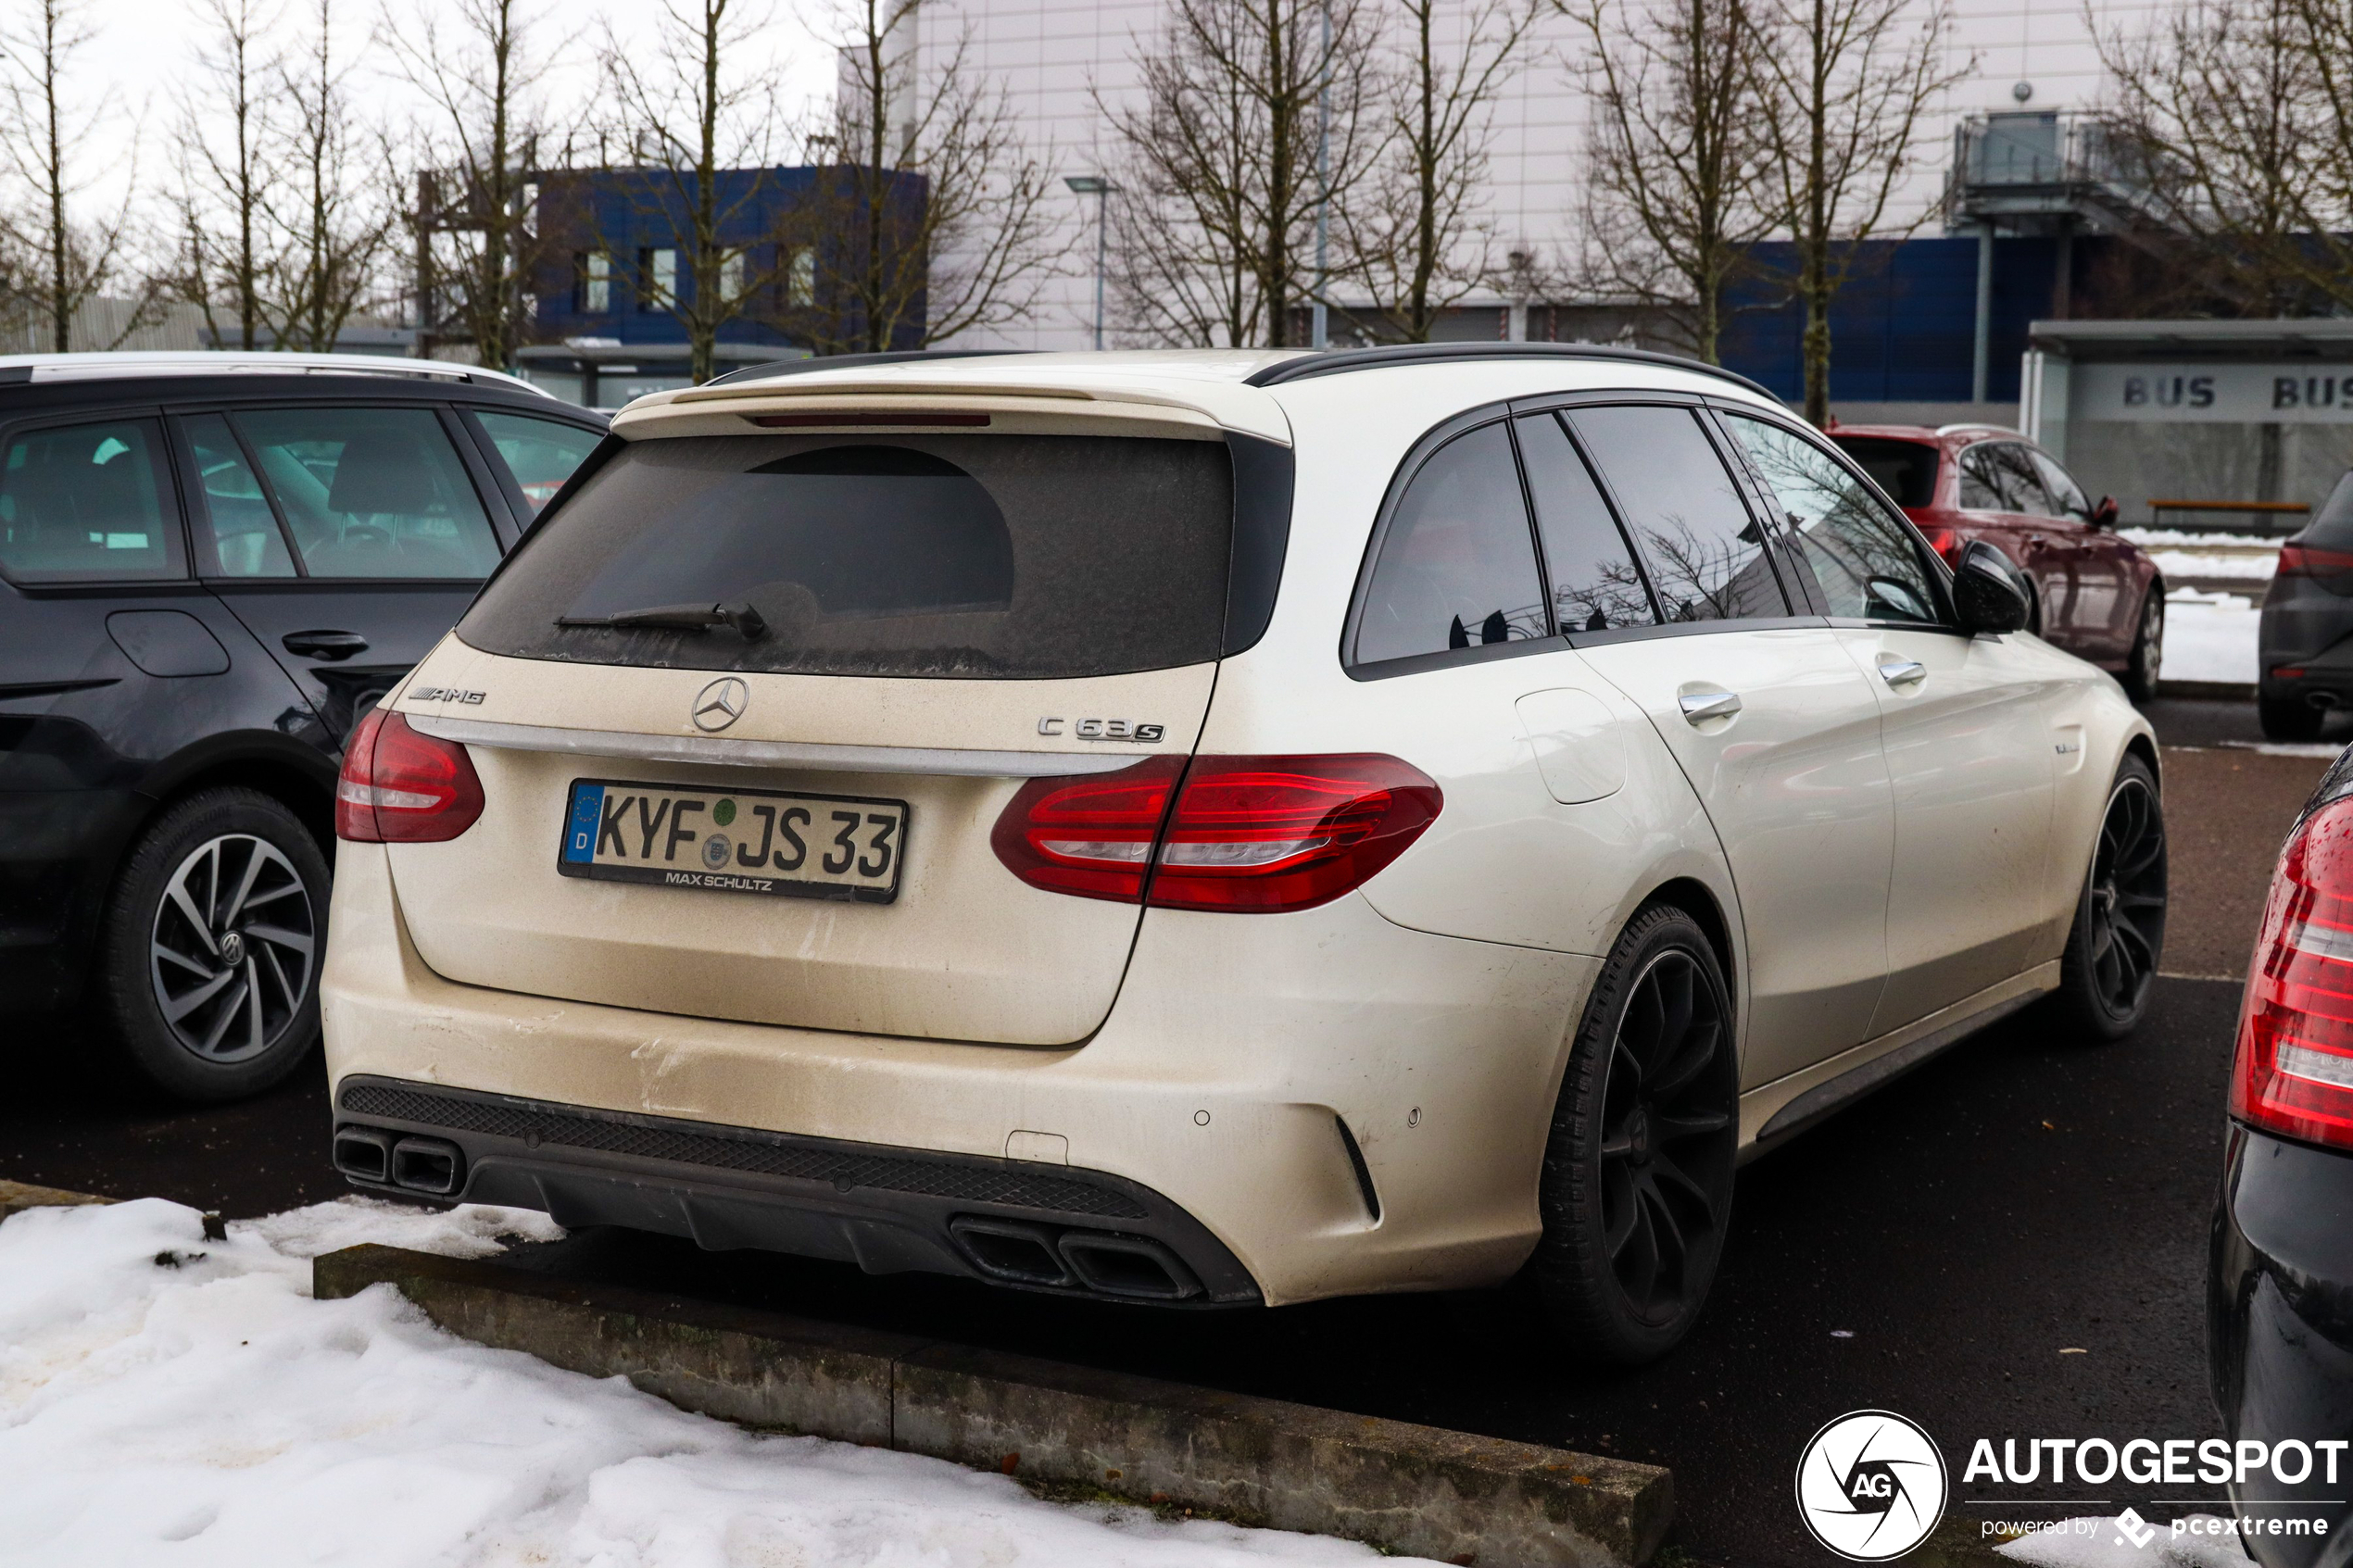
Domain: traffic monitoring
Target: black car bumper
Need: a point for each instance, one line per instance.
(1032, 1226)
(2279, 1335)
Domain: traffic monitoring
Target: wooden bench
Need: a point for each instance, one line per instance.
(2264, 512)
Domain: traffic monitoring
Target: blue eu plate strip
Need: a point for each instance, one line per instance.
(580, 836)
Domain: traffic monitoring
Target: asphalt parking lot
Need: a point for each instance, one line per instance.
(2009, 1242)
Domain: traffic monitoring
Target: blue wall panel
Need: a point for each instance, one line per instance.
(1902, 329)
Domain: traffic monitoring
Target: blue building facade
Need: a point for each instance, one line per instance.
(1902, 328)
(616, 252)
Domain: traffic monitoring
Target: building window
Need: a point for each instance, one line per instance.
(657, 279)
(731, 277)
(800, 277)
(591, 283)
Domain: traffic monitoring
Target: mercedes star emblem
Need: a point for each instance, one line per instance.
(721, 703)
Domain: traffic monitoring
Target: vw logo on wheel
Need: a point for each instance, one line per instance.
(721, 703)
(1871, 1486)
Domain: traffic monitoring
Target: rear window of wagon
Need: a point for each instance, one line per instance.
(1905, 469)
(976, 556)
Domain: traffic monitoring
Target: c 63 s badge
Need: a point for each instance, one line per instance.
(1102, 729)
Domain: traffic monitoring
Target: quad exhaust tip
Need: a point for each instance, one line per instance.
(430, 1166)
(1132, 1267)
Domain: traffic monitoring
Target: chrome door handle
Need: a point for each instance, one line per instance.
(1903, 672)
(1700, 706)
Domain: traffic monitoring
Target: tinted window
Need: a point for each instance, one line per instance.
(1595, 585)
(1905, 469)
(2065, 494)
(1457, 566)
(372, 492)
(237, 534)
(2331, 526)
(1703, 553)
(89, 502)
(1864, 562)
(950, 555)
(541, 453)
(1980, 484)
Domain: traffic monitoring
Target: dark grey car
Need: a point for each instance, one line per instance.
(2305, 663)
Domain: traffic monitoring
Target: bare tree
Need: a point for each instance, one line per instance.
(67, 262)
(1850, 82)
(225, 163)
(1676, 147)
(933, 213)
(1254, 116)
(705, 118)
(477, 237)
(2226, 121)
(336, 211)
(1420, 239)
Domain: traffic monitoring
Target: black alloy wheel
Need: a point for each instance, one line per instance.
(2110, 968)
(212, 947)
(1638, 1177)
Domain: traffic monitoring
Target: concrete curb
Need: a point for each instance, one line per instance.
(15, 1195)
(1404, 1488)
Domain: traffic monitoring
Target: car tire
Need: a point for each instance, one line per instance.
(2148, 647)
(2108, 969)
(1637, 1184)
(211, 948)
(2284, 719)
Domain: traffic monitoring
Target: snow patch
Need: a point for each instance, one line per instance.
(170, 1399)
(2209, 637)
(2255, 566)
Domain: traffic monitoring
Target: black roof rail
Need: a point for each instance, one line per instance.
(839, 361)
(1335, 361)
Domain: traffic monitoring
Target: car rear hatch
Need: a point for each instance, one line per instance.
(913, 611)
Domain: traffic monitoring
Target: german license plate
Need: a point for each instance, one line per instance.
(734, 841)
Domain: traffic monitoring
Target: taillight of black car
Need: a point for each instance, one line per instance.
(1238, 834)
(2293, 1074)
(400, 785)
(2331, 570)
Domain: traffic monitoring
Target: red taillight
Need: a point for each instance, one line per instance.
(398, 786)
(2294, 1074)
(1257, 834)
(2303, 560)
(1943, 541)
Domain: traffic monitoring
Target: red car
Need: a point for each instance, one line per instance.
(2095, 594)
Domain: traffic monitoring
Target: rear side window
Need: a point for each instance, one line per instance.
(1905, 469)
(1595, 585)
(541, 453)
(1704, 554)
(238, 536)
(1457, 565)
(372, 492)
(89, 503)
(1024, 556)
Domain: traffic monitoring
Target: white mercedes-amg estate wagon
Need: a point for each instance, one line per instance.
(1216, 827)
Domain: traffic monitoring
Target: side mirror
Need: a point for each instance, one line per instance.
(2104, 515)
(1988, 591)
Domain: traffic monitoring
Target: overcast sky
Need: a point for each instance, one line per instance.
(144, 50)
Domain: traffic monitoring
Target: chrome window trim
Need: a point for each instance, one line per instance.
(725, 752)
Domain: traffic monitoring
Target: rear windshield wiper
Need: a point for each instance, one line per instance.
(678, 618)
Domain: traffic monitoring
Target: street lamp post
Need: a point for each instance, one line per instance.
(1100, 187)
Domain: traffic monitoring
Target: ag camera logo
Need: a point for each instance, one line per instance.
(1871, 1486)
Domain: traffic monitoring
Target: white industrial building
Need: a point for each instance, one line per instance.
(1056, 56)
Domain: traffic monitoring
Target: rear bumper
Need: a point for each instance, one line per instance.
(2279, 1333)
(1215, 1096)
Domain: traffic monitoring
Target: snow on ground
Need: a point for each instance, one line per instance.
(2209, 637)
(2203, 1541)
(2149, 538)
(168, 1400)
(2255, 566)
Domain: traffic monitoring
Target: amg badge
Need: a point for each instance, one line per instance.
(1102, 729)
